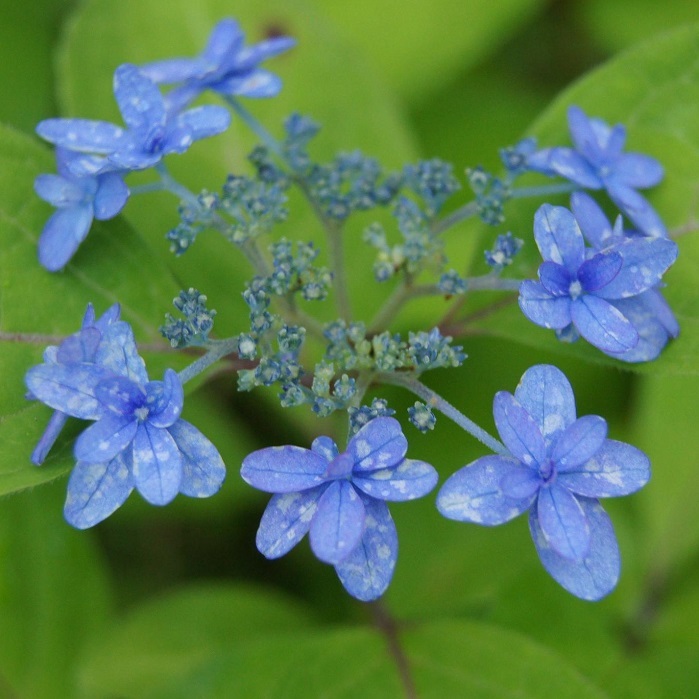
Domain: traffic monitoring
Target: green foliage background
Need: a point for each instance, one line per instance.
(176, 602)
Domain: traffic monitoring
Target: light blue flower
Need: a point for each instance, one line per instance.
(557, 468)
(138, 439)
(340, 500)
(152, 132)
(225, 66)
(583, 287)
(79, 200)
(597, 162)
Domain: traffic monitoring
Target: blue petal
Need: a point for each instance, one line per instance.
(111, 197)
(596, 575)
(589, 135)
(563, 522)
(83, 135)
(409, 480)
(173, 70)
(542, 308)
(283, 469)
(636, 170)
(118, 352)
(518, 430)
(545, 393)
(558, 237)
(367, 572)
(597, 273)
(166, 401)
(616, 469)
(96, 490)
(79, 347)
(645, 262)
(62, 235)
(637, 208)
(325, 447)
(338, 524)
(652, 333)
(133, 157)
(252, 55)
(203, 470)
(68, 388)
(58, 191)
(286, 520)
(521, 483)
(474, 494)
(120, 395)
(49, 437)
(595, 226)
(602, 325)
(573, 166)
(140, 102)
(157, 464)
(105, 439)
(379, 444)
(579, 442)
(555, 278)
(259, 83)
(225, 41)
(202, 122)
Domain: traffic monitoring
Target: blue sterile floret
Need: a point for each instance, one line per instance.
(584, 286)
(151, 130)
(225, 66)
(196, 325)
(597, 162)
(504, 251)
(340, 500)
(79, 200)
(556, 466)
(138, 439)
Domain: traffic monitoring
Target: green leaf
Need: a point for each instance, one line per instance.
(443, 659)
(654, 90)
(420, 50)
(54, 597)
(38, 307)
(170, 639)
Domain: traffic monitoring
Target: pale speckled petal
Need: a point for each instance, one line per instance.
(558, 237)
(368, 570)
(597, 574)
(96, 490)
(379, 444)
(286, 520)
(118, 352)
(518, 430)
(325, 447)
(603, 325)
(338, 524)
(284, 469)
(563, 522)
(203, 470)
(105, 439)
(579, 442)
(616, 469)
(157, 464)
(474, 492)
(409, 480)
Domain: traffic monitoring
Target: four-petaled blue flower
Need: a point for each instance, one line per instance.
(597, 162)
(648, 312)
(340, 500)
(79, 200)
(583, 286)
(138, 439)
(152, 131)
(557, 468)
(225, 66)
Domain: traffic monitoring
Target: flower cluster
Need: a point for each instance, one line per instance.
(94, 156)
(555, 466)
(137, 439)
(340, 500)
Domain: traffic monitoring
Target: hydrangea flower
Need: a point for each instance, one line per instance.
(556, 467)
(583, 287)
(648, 312)
(225, 66)
(340, 499)
(597, 162)
(82, 347)
(79, 200)
(152, 132)
(138, 439)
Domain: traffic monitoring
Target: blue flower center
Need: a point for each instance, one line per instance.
(547, 471)
(153, 139)
(340, 467)
(142, 413)
(575, 289)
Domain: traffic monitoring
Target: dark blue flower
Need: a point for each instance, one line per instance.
(582, 286)
(557, 468)
(152, 132)
(597, 162)
(138, 439)
(340, 499)
(79, 200)
(225, 66)
(648, 312)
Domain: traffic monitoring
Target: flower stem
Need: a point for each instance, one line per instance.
(545, 190)
(434, 400)
(461, 214)
(257, 128)
(218, 349)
